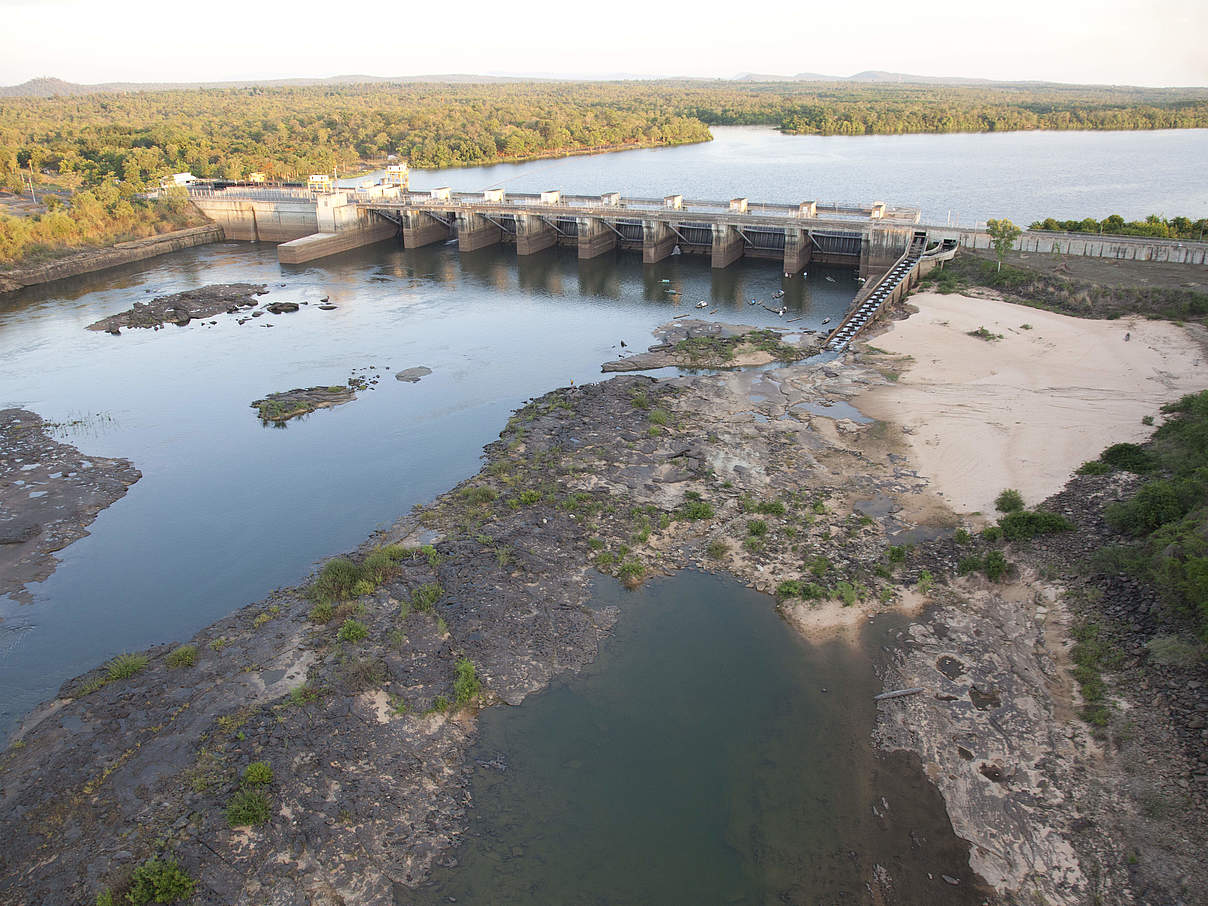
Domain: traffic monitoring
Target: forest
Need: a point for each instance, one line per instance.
(115, 146)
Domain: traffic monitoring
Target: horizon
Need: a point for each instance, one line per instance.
(1122, 44)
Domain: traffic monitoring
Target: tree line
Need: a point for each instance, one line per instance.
(1152, 226)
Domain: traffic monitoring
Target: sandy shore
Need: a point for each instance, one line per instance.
(1026, 410)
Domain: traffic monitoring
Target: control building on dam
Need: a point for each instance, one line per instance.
(311, 224)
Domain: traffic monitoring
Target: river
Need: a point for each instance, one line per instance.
(228, 509)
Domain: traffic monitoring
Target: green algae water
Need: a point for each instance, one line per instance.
(709, 755)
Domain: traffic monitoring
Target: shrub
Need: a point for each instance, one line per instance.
(631, 572)
(159, 881)
(658, 417)
(819, 566)
(757, 527)
(995, 565)
(717, 549)
(125, 666)
(1172, 651)
(478, 494)
(970, 563)
(1024, 524)
(440, 704)
(1128, 458)
(926, 581)
(696, 509)
(846, 592)
(424, 597)
(753, 543)
(992, 533)
(528, 498)
(1157, 502)
(1094, 467)
(321, 613)
(352, 631)
(247, 808)
(639, 400)
(335, 581)
(362, 588)
(184, 656)
(789, 588)
(770, 508)
(897, 553)
(1009, 501)
(962, 536)
(466, 686)
(258, 773)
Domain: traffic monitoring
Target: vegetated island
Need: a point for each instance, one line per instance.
(312, 744)
(50, 493)
(711, 344)
(279, 408)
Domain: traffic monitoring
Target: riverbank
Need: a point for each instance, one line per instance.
(90, 260)
(993, 395)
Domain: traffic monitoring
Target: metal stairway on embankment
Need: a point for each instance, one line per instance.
(891, 286)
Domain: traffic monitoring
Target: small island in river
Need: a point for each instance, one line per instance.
(281, 407)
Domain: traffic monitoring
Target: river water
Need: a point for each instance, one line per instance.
(963, 178)
(228, 509)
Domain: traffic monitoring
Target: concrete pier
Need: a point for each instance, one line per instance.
(798, 250)
(475, 232)
(320, 245)
(533, 235)
(596, 237)
(727, 244)
(421, 228)
(657, 241)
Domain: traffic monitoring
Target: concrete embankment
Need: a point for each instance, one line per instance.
(99, 259)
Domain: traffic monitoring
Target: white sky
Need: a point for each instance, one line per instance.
(1138, 42)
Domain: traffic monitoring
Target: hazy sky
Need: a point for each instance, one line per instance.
(1139, 42)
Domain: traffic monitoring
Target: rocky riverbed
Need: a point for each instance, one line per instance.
(710, 344)
(181, 308)
(357, 697)
(50, 493)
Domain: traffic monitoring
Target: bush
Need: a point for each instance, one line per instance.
(962, 536)
(335, 581)
(362, 588)
(321, 613)
(1094, 467)
(995, 565)
(1024, 524)
(466, 686)
(258, 773)
(1157, 502)
(159, 881)
(1009, 501)
(717, 549)
(789, 588)
(424, 597)
(1128, 458)
(846, 592)
(184, 656)
(528, 498)
(478, 494)
(631, 572)
(352, 631)
(696, 509)
(658, 417)
(247, 808)
(992, 534)
(125, 666)
(757, 527)
(970, 563)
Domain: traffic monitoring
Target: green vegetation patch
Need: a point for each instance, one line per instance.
(247, 808)
(125, 666)
(184, 656)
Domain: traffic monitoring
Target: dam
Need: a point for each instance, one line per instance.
(888, 246)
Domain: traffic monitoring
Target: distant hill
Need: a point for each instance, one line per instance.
(49, 87)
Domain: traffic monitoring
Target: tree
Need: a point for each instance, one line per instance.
(1003, 234)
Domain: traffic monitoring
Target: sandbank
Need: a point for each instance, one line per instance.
(1026, 410)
